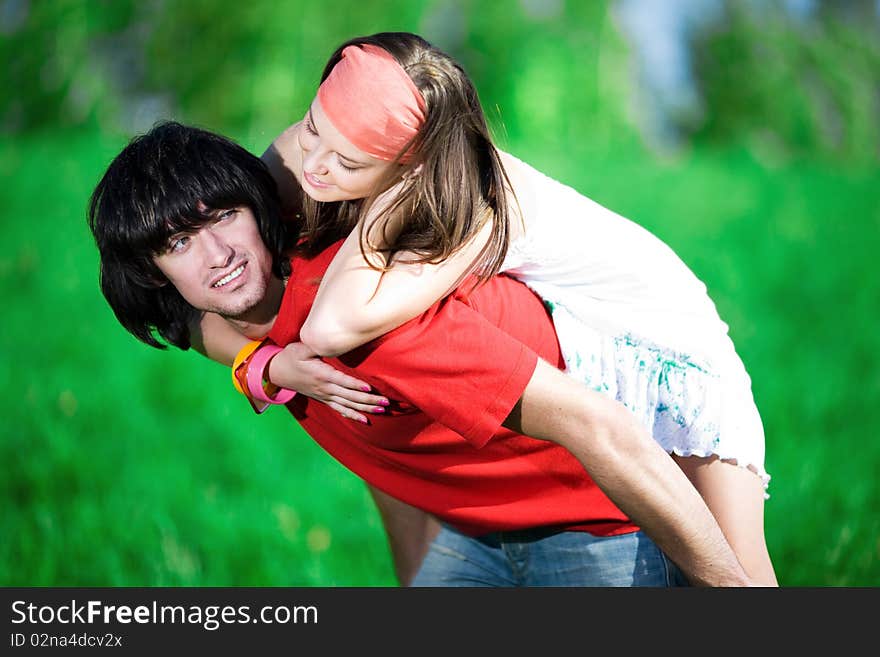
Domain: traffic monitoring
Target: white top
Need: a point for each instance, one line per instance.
(634, 322)
(608, 271)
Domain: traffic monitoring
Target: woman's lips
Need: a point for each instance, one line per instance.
(314, 182)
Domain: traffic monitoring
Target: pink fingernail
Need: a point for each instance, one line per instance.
(363, 420)
(366, 388)
(384, 402)
(378, 409)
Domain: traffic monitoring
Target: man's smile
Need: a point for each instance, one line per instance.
(231, 276)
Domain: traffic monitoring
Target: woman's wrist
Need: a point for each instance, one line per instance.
(256, 375)
(250, 375)
(272, 369)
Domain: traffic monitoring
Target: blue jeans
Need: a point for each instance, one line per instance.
(544, 557)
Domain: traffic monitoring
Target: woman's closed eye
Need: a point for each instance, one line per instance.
(348, 168)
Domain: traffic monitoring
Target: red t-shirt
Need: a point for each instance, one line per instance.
(453, 374)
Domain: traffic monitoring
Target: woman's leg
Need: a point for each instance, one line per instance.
(735, 495)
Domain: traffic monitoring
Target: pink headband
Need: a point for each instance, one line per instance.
(371, 100)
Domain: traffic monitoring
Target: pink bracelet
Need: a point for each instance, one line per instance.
(257, 366)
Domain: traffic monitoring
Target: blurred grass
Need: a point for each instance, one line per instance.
(124, 466)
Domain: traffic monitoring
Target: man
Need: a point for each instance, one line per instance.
(483, 434)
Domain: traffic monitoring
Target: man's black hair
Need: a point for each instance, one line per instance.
(173, 179)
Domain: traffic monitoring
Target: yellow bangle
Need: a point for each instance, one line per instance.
(240, 358)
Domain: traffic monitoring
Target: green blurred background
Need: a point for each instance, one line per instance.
(744, 134)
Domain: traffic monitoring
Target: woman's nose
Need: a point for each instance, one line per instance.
(314, 161)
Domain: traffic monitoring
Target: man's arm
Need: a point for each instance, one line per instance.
(632, 469)
(216, 338)
(410, 532)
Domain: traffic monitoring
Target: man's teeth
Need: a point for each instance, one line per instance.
(231, 276)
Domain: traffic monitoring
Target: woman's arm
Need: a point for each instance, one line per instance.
(296, 367)
(356, 303)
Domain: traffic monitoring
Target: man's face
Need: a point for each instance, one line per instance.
(224, 267)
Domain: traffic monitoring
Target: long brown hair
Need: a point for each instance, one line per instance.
(460, 184)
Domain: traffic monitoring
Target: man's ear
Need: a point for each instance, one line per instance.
(156, 280)
(149, 275)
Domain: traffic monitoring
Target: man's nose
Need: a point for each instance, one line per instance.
(218, 252)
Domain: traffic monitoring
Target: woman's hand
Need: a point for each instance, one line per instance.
(297, 367)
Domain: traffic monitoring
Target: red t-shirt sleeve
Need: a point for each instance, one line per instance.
(455, 366)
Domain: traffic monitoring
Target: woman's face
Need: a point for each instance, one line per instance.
(334, 169)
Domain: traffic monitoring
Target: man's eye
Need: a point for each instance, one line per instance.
(227, 214)
(178, 244)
